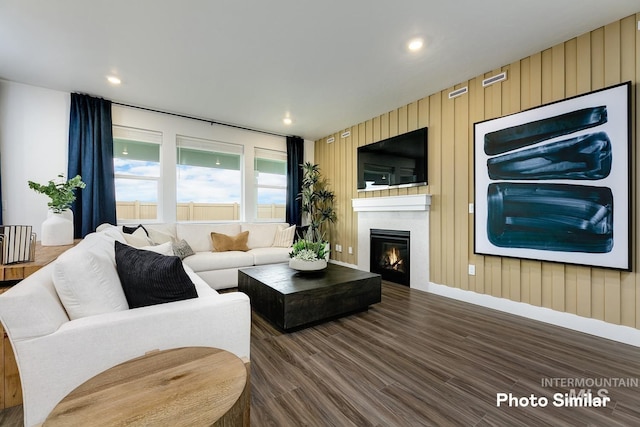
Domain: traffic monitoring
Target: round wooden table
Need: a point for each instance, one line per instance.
(189, 386)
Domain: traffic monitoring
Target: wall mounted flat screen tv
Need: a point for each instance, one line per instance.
(400, 161)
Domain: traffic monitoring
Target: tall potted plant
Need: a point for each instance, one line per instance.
(57, 229)
(311, 251)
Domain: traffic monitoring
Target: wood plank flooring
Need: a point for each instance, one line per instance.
(417, 359)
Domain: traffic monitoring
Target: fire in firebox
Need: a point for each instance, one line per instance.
(389, 255)
(392, 260)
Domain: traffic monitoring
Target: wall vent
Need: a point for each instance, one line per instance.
(345, 134)
(494, 79)
(330, 140)
(458, 92)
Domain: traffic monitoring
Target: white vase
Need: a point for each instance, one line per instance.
(57, 229)
(302, 265)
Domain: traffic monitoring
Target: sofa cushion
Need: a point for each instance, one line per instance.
(206, 261)
(150, 278)
(202, 288)
(269, 255)
(224, 242)
(284, 237)
(199, 235)
(260, 235)
(166, 228)
(87, 283)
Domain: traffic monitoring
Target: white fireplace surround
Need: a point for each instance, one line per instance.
(405, 213)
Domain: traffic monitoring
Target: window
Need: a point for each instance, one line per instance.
(136, 165)
(270, 169)
(209, 180)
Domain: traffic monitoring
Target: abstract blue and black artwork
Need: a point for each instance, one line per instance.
(553, 183)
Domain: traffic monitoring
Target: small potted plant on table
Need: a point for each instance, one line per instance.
(311, 251)
(57, 229)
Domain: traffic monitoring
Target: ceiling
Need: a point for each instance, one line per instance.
(328, 64)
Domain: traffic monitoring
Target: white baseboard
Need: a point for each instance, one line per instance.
(599, 328)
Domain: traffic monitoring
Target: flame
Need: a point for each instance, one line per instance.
(392, 260)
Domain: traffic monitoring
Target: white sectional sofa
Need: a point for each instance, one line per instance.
(71, 320)
(268, 243)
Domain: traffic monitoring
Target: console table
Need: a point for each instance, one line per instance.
(10, 388)
(43, 256)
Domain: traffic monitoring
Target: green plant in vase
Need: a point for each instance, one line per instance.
(306, 250)
(58, 228)
(318, 209)
(60, 191)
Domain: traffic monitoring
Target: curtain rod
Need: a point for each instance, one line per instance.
(211, 122)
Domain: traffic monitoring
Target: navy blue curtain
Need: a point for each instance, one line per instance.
(295, 158)
(91, 157)
(1, 220)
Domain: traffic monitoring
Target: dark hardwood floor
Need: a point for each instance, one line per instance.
(417, 359)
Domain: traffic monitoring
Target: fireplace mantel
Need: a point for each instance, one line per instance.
(417, 202)
(409, 213)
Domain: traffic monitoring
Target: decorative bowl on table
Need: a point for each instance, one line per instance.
(304, 265)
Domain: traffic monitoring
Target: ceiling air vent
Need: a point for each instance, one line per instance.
(458, 92)
(494, 79)
(330, 140)
(345, 134)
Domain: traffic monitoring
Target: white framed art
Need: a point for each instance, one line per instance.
(553, 183)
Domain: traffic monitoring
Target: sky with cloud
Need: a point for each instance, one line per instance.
(194, 184)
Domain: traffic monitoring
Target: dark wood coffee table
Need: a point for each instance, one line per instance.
(290, 299)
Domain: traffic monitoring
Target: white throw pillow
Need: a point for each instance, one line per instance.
(159, 237)
(162, 249)
(138, 238)
(284, 237)
(88, 284)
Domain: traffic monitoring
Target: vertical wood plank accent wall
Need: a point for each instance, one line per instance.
(601, 58)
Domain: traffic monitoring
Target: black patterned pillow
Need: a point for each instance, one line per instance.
(131, 230)
(182, 249)
(150, 278)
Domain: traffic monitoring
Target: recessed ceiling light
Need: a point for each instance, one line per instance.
(287, 120)
(415, 45)
(114, 80)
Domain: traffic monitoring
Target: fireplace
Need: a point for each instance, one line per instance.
(410, 213)
(390, 255)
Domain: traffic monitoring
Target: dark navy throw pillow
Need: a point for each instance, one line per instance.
(150, 278)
